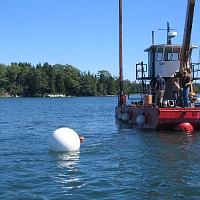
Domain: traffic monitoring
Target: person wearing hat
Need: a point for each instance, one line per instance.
(186, 89)
(159, 90)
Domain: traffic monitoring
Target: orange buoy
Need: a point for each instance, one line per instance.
(81, 139)
(185, 126)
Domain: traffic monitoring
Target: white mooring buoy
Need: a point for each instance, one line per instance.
(64, 139)
(125, 117)
(140, 120)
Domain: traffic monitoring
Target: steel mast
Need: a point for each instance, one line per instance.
(120, 53)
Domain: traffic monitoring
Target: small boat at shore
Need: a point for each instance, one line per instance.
(170, 61)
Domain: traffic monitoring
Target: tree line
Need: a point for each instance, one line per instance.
(25, 80)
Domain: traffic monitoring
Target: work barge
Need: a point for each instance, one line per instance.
(169, 60)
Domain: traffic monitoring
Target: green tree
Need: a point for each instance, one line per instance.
(72, 80)
(59, 82)
(88, 84)
(3, 79)
(103, 79)
(51, 77)
(13, 75)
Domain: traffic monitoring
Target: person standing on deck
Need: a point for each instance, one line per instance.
(176, 88)
(159, 90)
(123, 98)
(186, 89)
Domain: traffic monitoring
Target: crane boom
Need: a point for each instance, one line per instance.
(186, 38)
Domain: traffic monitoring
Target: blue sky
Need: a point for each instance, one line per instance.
(85, 33)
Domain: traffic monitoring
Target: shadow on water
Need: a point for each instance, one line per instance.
(174, 137)
(179, 137)
(132, 126)
(165, 163)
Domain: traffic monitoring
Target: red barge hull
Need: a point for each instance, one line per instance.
(163, 118)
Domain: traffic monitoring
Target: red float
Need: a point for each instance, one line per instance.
(185, 126)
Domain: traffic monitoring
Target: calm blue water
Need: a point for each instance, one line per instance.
(115, 161)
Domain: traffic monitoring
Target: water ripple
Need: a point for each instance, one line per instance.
(116, 161)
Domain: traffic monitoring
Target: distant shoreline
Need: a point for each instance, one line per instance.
(54, 96)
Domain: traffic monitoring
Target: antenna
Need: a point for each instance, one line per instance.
(199, 56)
(170, 35)
(198, 62)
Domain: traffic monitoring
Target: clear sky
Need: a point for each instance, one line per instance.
(85, 33)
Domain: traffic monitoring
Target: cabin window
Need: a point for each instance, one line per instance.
(176, 54)
(159, 54)
(168, 54)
